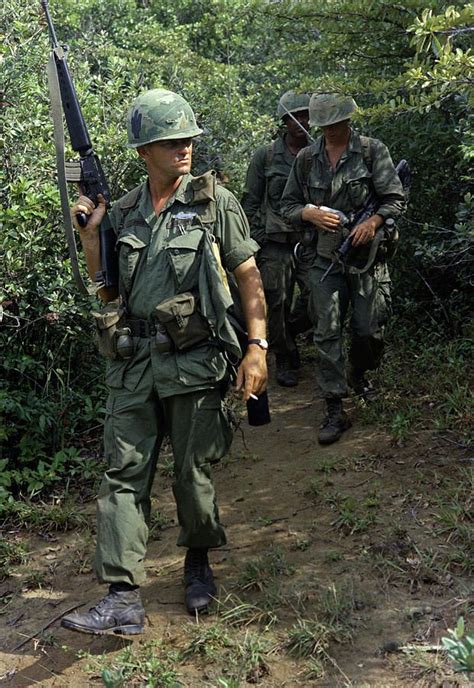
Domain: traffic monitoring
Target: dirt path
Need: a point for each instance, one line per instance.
(336, 561)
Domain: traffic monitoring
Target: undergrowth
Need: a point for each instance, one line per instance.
(425, 383)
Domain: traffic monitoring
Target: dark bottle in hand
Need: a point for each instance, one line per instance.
(258, 411)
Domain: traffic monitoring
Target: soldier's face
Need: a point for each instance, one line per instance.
(337, 132)
(171, 158)
(295, 129)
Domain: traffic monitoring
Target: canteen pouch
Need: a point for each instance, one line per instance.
(183, 322)
(329, 242)
(109, 323)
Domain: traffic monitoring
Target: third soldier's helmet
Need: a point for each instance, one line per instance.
(292, 102)
(329, 108)
(160, 115)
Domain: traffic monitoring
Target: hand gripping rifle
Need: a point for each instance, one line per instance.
(387, 231)
(87, 171)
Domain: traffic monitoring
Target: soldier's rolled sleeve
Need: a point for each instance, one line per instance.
(232, 230)
(387, 184)
(292, 200)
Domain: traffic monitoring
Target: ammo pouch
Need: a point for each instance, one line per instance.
(112, 337)
(183, 322)
(329, 242)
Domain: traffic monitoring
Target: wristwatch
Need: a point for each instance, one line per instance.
(262, 343)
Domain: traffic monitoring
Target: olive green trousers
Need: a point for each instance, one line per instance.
(280, 272)
(136, 424)
(368, 295)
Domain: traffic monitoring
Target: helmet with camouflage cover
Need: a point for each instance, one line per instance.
(292, 102)
(160, 115)
(329, 108)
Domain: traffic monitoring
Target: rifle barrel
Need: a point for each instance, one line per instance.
(80, 141)
(52, 32)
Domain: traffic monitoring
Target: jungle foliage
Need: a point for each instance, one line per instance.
(409, 66)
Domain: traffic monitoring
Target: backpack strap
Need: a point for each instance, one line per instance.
(126, 204)
(264, 203)
(130, 199)
(367, 151)
(269, 154)
(307, 156)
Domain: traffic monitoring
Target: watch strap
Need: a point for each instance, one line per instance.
(262, 343)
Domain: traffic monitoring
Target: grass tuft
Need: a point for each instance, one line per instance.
(259, 572)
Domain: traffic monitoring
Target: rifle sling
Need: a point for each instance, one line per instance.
(375, 243)
(57, 116)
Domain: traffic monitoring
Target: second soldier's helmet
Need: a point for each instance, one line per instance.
(160, 115)
(329, 108)
(292, 102)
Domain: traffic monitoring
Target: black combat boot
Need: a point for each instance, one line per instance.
(121, 611)
(335, 422)
(199, 581)
(285, 376)
(294, 359)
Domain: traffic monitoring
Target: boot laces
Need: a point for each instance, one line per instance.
(104, 603)
(112, 599)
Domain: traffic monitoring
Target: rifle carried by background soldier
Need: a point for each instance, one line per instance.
(387, 233)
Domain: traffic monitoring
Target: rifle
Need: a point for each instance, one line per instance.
(87, 171)
(387, 231)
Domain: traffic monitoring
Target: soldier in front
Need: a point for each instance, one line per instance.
(168, 372)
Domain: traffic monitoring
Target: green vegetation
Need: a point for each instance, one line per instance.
(41, 518)
(411, 73)
(426, 385)
(11, 554)
(147, 664)
(259, 572)
(460, 647)
(410, 67)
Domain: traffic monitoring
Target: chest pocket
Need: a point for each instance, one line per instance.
(319, 191)
(358, 184)
(275, 186)
(132, 249)
(184, 255)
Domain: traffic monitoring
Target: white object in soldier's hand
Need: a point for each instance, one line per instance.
(343, 219)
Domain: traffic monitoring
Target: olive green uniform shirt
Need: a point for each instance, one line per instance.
(156, 253)
(267, 175)
(346, 187)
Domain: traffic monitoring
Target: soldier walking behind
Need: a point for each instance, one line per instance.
(169, 373)
(338, 172)
(266, 178)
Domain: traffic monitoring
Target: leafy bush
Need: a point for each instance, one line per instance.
(410, 72)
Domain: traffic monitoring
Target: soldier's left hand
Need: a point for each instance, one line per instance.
(365, 231)
(252, 374)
